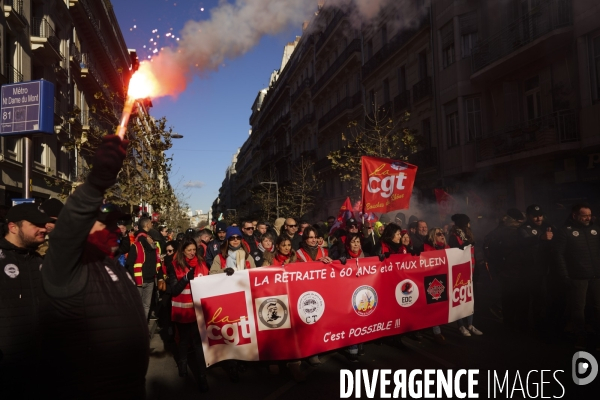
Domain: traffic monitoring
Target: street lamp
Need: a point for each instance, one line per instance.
(176, 136)
(276, 193)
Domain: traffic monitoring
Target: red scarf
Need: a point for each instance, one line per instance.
(282, 258)
(352, 254)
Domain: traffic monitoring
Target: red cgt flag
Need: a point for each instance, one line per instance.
(386, 184)
(446, 203)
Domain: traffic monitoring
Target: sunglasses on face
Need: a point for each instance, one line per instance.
(439, 234)
(235, 238)
(292, 226)
(170, 251)
(250, 228)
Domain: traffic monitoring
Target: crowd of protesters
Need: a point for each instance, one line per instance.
(88, 293)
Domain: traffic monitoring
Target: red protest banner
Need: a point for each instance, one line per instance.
(276, 313)
(386, 184)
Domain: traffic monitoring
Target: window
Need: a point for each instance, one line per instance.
(62, 161)
(596, 55)
(468, 32)
(426, 131)
(473, 108)
(468, 42)
(422, 65)
(12, 145)
(39, 151)
(447, 36)
(386, 91)
(533, 104)
(384, 35)
(401, 79)
(452, 129)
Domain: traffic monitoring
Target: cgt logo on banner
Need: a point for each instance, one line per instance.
(386, 184)
(275, 313)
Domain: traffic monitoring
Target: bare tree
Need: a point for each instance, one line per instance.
(298, 197)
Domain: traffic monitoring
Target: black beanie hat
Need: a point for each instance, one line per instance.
(460, 220)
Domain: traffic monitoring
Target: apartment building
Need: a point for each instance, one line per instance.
(78, 46)
(504, 93)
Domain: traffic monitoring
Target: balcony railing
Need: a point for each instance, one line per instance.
(552, 129)
(402, 101)
(12, 75)
(346, 104)
(390, 48)
(308, 82)
(308, 118)
(546, 17)
(424, 159)
(75, 55)
(334, 22)
(354, 46)
(422, 89)
(41, 28)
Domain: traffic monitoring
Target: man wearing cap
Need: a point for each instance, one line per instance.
(95, 340)
(51, 208)
(535, 239)
(124, 242)
(143, 263)
(20, 282)
(214, 246)
(400, 219)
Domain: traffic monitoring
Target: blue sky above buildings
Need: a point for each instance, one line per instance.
(213, 112)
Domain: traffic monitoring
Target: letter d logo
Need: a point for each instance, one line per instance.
(582, 364)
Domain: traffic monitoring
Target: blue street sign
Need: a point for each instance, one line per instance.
(26, 108)
(22, 201)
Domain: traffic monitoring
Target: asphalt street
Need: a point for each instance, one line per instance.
(518, 357)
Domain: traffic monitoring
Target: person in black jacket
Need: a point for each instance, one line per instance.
(145, 242)
(95, 337)
(536, 240)
(20, 282)
(577, 249)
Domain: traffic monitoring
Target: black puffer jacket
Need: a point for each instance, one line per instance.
(577, 250)
(95, 336)
(20, 282)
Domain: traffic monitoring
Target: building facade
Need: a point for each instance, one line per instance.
(505, 96)
(78, 46)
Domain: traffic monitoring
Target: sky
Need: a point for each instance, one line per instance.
(212, 113)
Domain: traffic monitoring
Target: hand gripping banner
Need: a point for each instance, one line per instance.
(276, 313)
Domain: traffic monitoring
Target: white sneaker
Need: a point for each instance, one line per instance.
(475, 331)
(464, 331)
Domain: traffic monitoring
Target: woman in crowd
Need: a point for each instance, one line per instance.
(353, 247)
(390, 241)
(436, 240)
(459, 237)
(407, 247)
(187, 265)
(164, 314)
(284, 254)
(233, 256)
(263, 256)
(309, 249)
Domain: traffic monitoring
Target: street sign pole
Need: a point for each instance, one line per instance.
(27, 145)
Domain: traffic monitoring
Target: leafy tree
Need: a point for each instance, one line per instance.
(379, 136)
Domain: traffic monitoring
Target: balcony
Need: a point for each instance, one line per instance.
(402, 101)
(307, 119)
(545, 28)
(347, 103)
(91, 78)
(75, 57)
(330, 28)
(44, 41)
(12, 75)
(308, 82)
(422, 89)
(424, 159)
(390, 48)
(353, 47)
(543, 134)
(13, 12)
